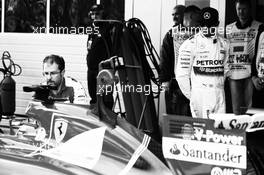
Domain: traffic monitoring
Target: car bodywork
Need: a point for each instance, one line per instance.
(119, 144)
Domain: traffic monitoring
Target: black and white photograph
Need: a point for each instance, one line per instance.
(132, 87)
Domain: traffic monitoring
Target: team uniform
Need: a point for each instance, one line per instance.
(242, 51)
(80, 95)
(72, 90)
(201, 71)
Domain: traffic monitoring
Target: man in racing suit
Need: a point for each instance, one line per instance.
(201, 67)
(68, 88)
(242, 35)
(176, 102)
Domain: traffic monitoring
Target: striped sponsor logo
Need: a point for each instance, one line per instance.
(142, 147)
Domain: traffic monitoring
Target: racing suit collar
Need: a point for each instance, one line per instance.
(213, 37)
(248, 24)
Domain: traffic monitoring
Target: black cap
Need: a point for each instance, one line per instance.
(97, 7)
(210, 17)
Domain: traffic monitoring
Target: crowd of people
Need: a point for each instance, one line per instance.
(205, 73)
(23, 15)
(27, 15)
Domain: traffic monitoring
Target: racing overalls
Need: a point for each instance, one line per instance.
(242, 51)
(201, 71)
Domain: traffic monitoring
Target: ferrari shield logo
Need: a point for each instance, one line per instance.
(60, 129)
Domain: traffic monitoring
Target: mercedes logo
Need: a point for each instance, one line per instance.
(207, 15)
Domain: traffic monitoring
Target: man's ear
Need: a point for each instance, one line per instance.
(217, 24)
(63, 72)
(191, 16)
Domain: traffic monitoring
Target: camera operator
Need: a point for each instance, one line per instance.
(64, 87)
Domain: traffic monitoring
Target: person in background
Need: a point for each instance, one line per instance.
(98, 48)
(68, 88)
(176, 102)
(201, 67)
(192, 18)
(12, 24)
(166, 76)
(258, 74)
(38, 21)
(74, 14)
(254, 145)
(242, 35)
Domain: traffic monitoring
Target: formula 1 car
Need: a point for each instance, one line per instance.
(59, 138)
(62, 138)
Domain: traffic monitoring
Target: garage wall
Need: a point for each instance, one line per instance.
(28, 50)
(155, 14)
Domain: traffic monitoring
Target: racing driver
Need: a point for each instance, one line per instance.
(201, 67)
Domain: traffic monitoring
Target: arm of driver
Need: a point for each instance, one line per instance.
(184, 67)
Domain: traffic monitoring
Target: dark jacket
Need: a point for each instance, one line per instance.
(167, 58)
(99, 47)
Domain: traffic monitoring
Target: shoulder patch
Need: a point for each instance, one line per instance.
(73, 79)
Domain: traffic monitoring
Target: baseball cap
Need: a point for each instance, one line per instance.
(97, 7)
(210, 17)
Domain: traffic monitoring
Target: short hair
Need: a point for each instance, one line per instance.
(97, 7)
(247, 2)
(55, 59)
(180, 7)
(192, 9)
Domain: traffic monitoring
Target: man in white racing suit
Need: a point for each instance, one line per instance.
(201, 67)
(242, 35)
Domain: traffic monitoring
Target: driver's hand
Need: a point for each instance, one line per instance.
(165, 85)
(258, 82)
